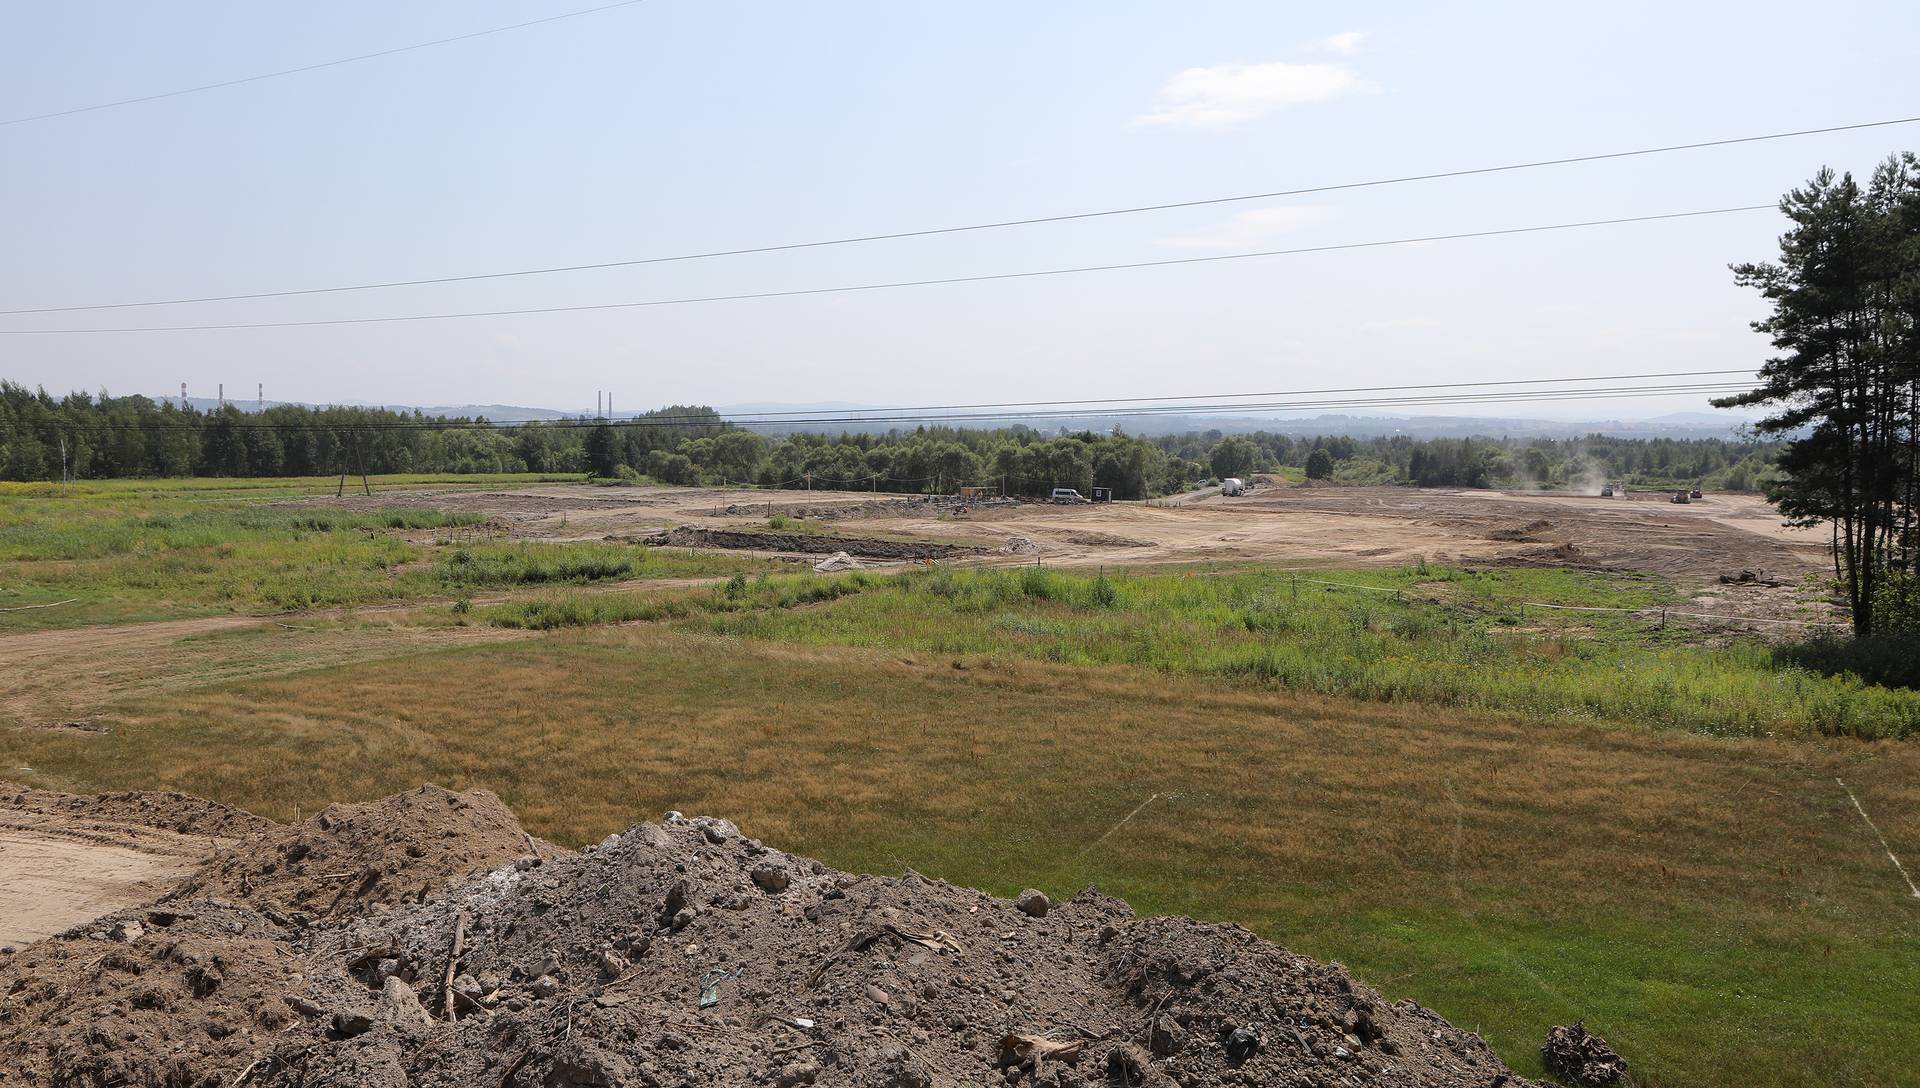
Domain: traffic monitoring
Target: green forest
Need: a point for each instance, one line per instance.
(81, 436)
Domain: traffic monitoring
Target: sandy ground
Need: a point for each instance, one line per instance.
(1718, 534)
(60, 871)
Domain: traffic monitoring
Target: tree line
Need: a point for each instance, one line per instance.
(104, 436)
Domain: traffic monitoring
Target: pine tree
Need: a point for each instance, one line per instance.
(1844, 300)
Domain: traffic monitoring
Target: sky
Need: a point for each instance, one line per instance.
(670, 127)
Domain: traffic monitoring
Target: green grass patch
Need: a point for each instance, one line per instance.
(1417, 635)
(124, 551)
(737, 594)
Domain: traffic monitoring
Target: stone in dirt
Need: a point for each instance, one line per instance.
(836, 562)
(835, 979)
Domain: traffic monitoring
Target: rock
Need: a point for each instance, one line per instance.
(128, 931)
(716, 829)
(384, 969)
(770, 879)
(544, 986)
(583, 1065)
(400, 1005)
(1578, 1057)
(612, 964)
(349, 1023)
(1165, 1036)
(1034, 903)
(797, 1073)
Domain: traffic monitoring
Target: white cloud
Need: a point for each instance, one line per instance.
(1250, 228)
(1346, 43)
(1227, 94)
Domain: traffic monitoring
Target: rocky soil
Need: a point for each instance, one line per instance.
(678, 953)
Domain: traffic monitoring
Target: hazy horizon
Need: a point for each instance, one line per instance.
(659, 129)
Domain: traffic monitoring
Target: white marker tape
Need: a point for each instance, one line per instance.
(1883, 839)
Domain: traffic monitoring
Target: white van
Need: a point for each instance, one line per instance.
(1068, 494)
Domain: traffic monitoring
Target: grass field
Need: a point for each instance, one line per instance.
(1437, 636)
(1712, 904)
(123, 551)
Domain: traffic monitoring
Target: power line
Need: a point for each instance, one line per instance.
(1308, 392)
(944, 281)
(1157, 403)
(314, 67)
(922, 416)
(934, 231)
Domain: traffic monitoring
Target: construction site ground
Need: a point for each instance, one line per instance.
(62, 865)
(1319, 525)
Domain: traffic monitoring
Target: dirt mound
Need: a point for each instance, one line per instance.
(1528, 533)
(685, 953)
(806, 543)
(351, 857)
(1092, 539)
(176, 812)
(838, 561)
(183, 997)
(1579, 1057)
(922, 506)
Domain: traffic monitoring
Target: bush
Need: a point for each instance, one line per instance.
(1036, 583)
(1888, 660)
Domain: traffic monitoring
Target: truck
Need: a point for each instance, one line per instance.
(1067, 494)
(1233, 485)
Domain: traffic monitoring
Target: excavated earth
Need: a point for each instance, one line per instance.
(678, 953)
(808, 543)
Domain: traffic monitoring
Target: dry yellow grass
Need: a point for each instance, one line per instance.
(1714, 905)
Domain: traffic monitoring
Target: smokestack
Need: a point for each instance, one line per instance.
(222, 394)
(183, 396)
(260, 397)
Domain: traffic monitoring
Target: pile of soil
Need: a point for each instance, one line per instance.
(807, 543)
(177, 812)
(921, 506)
(1579, 1057)
(1091, 539)
(1528, 533)
(348, 857)
(684, 953)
